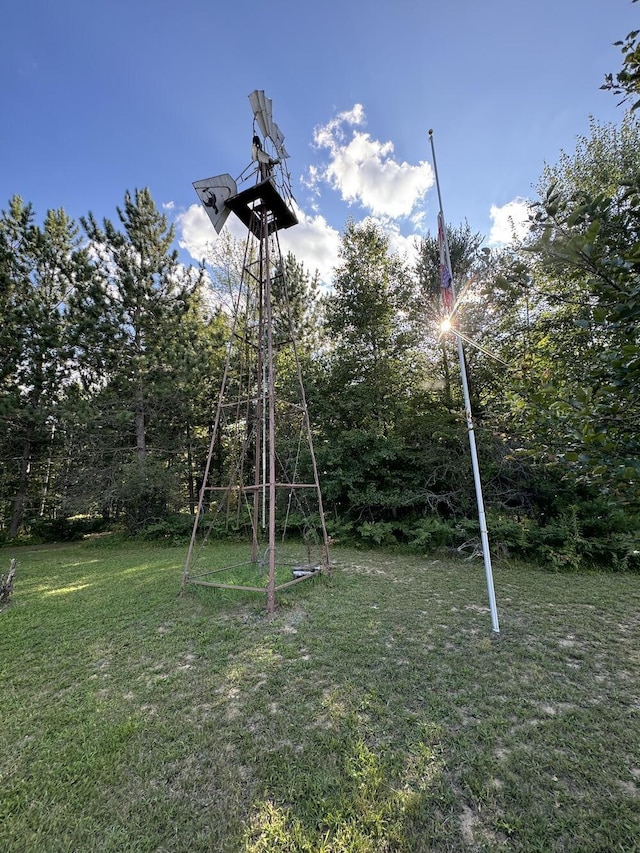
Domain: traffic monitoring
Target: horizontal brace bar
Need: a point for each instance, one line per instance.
(260, 487)
(229, 586)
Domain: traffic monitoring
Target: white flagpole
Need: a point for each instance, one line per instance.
(484, 536)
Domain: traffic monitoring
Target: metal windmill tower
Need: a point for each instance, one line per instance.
(261, 435)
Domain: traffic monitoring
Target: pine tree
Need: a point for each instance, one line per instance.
(41, 268)
(130, 337)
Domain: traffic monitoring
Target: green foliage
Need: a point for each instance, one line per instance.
(149, 354)
(44, 530)
(627, 81)
(341, 530)
(508, 534)
(63, 529)
(430, 533)
(559, 543)
(143, 492)
(584, 535)
(40, 269)
(56, 530)
(576, 400)
(170, 530)
(378, 533)
(368, 364)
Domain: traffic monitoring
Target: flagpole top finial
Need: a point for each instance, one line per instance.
(430, 131)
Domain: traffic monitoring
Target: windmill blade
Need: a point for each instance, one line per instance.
(254, 100)
(261, 156)
(263, 111)
(278, 141)
(213, 193)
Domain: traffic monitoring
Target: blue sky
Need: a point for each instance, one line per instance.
(99, 97)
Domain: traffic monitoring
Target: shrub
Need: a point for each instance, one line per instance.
(175, 529)
(559, 543)
(431, 532)
(64, 529)
(378, 532)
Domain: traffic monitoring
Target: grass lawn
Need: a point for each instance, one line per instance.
(375, 711)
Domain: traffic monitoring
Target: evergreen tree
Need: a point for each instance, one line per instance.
(41, 268)
(368, 329)
(130, 339)
(440, 356)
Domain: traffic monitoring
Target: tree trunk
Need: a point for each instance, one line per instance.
(21, 495)
(6, 581)
(47, 477)
(141, 443)
(190, 479)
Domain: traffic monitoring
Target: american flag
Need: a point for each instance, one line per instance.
(446, 290)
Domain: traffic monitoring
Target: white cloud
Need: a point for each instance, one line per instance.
(510, 222)
(363, 170)
(314, 242)
(168, 205)
(399, 244)
(196, 233)
(326, 135)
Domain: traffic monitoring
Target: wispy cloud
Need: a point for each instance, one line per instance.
(364, 171)
(510, 222)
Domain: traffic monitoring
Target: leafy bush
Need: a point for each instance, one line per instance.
(431, 532)
(175, 530)
(508, 534)
(587, 535)
(378, 533)
(341, 531)
(43, 530)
